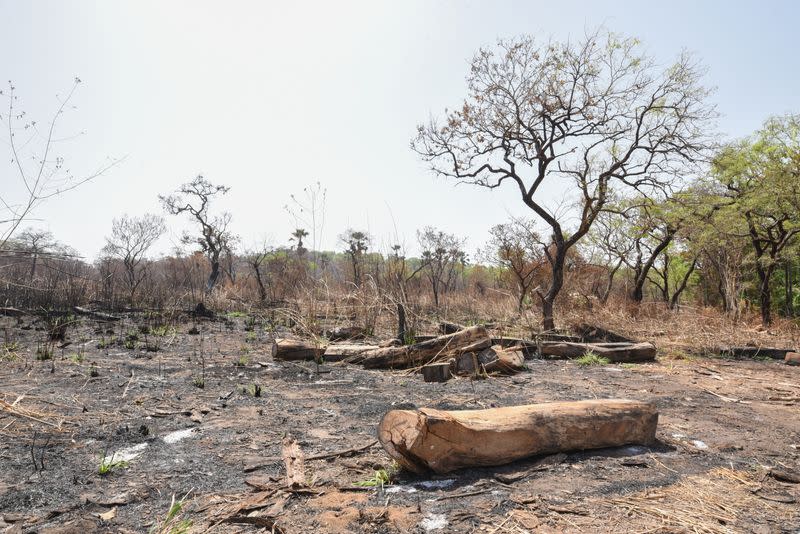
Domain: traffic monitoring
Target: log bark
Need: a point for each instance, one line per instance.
(438, 348)
(296, 349)
(614, 352)
(449, 328)
(792, 358)
(442, 441)
(339, 351)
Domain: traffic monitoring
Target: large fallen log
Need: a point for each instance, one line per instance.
(339, 351)
(296, 349)
(425, 352)
(614, 352)
(442, 441)
(755, 352)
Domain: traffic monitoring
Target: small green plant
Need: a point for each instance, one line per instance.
(251, 336)
(382, 477)
(255, 390)
(107, 465)
(235, 314)
(170, 524)
(242, 361)
(76, 357)
(590, 358)
(199, 382)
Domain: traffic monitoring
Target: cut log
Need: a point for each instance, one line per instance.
(494, 359)
(593, 333)
(529, 348)
(443, 441)
(755, 352)
(339, 351)
(792, 358)
(614, 352)
(99, 316)
(296, 349)
(436, 372)
(441, 347)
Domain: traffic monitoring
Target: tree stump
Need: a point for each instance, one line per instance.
(436, 372)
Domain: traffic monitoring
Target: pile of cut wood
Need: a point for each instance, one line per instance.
(468, 351)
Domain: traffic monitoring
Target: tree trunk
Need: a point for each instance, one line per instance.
(788, 285)
(610, 284)
(212, 277)
(674, 300)
(764, 294)
(442, 441)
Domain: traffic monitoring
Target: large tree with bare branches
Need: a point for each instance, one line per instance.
(584, 117)
(130, 239)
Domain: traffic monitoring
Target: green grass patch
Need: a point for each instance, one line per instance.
(590, 358)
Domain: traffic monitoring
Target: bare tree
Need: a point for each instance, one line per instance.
(589, 116)
(131, 238)
(42, 173)
(193, 198)
(36, 243)
(516, 247)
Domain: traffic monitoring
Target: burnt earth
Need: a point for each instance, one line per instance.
(720, 421)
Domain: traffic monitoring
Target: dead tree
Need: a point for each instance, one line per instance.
(131, 238)
(193, 198)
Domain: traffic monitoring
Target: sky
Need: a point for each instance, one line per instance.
(272, 97)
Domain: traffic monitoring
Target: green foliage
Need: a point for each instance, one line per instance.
(380, 478)
(107, 465)
(590, 358)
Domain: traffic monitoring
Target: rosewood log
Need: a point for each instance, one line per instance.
(339, 351)
(442, 441)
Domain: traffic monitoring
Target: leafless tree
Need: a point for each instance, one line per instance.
(131, 238)
(41, 172)
(193, 198)
(589, 116)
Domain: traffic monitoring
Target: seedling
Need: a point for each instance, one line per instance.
(107, 465)
(382, 477)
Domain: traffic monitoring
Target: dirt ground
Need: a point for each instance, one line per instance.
(197, 459)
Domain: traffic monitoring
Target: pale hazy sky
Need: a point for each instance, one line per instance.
(268, 97)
